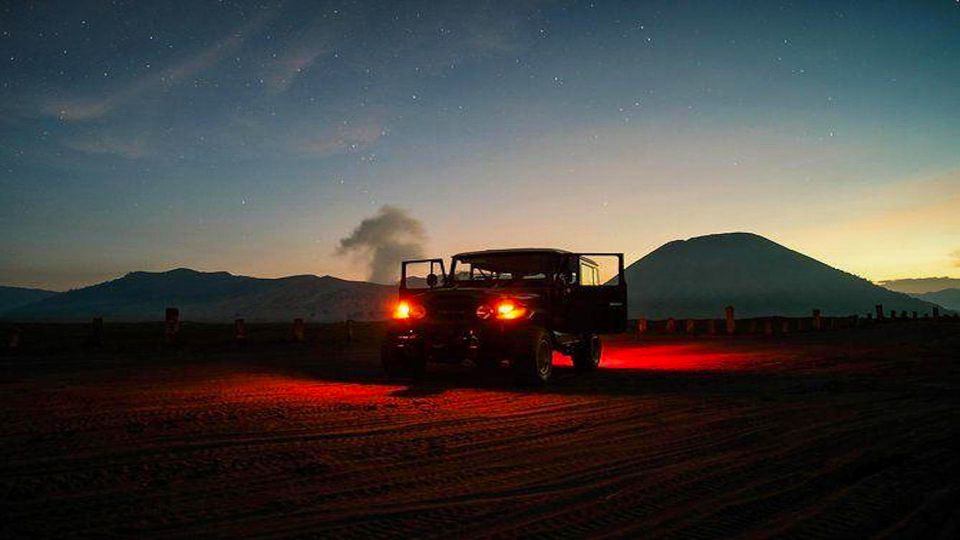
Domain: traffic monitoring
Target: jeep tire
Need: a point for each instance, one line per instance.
(586, 355)
(533, 362)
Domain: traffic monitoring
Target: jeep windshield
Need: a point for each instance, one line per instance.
(503, 268)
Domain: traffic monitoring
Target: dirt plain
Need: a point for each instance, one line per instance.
(850, 433)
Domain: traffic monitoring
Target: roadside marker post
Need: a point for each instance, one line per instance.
(298, 330)
(671, 325)
(171, 324)
(731, 323)
(96, 332)
(14, 342)
(240, 330)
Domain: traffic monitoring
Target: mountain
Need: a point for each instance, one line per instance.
(14, 297)
(698, 277)
(215, 297)
(915, 286)
(948, 298)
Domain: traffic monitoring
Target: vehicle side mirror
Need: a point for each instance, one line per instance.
(432, 280)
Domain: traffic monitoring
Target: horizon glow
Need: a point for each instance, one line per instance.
(252, 136)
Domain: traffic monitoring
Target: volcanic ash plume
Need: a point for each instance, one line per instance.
(386, 238)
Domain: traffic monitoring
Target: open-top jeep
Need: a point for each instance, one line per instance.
(511, 304)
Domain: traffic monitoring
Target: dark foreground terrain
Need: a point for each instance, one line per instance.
(850, 433)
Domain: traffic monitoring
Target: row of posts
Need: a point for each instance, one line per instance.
(773, 325)
(171, 330)
(298, 331)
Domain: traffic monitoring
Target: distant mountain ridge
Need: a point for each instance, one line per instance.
(915, 286)
(948, 298)
(694, 278)
(215, 297)
(698, 277)
(15, 297)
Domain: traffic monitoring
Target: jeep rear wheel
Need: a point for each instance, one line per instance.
(534, 363)
(586, 356)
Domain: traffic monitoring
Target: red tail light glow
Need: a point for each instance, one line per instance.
(408, 310)
(508, 310)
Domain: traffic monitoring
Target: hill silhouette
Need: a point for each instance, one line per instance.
(948, 298)
(14, 297)
(917, 286)
(215, 297)
(700, 276)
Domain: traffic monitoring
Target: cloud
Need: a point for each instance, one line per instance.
(126, 147)
(347, 138)
(955, 256)
(286, 70)
(384, 240)
(81, 109)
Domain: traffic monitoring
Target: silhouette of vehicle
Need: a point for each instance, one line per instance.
(516, 305)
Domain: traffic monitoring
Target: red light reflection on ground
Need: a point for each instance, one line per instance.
(670, 357)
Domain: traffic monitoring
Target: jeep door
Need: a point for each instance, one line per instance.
(421, 274)
(597, 302)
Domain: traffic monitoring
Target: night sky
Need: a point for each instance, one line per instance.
(253, 136)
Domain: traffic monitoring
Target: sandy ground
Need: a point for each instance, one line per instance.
(842, 434)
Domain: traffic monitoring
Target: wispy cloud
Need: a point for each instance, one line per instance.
(90, 108)
(285, 71)
(126, 147)
(346, 138)
(955, 258)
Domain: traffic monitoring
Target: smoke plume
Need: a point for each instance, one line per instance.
(386, 239)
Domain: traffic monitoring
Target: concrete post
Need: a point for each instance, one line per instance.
(879, 308)
(689, 326)
(893, 314)
(784, 326)
(914, 315)
(641, 326)
(240, 330)
(817, 320)
(936, 313)
(768, 327)
(349, 331)
(731, 323)
(96, 332)
(671, 325)
(298, 333)
(14, 342)
(172, 324)
(712, 327)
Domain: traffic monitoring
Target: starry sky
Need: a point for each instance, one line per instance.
(253, 136)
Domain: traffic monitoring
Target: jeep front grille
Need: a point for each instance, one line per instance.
(452, 309)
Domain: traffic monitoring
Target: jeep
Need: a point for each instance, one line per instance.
(516, 305)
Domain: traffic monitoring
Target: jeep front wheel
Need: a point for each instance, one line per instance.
(534, 363)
